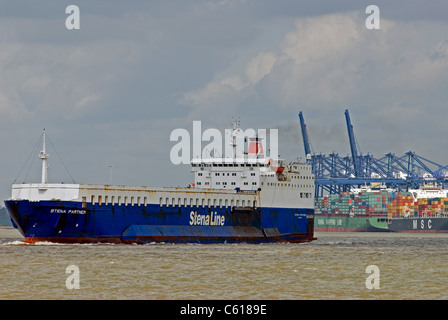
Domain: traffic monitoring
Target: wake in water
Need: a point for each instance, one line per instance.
(48, 243)
(13, 243)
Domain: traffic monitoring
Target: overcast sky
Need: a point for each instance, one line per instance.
(110, 93)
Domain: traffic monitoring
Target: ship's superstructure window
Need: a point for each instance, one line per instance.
(220, 174)
(113, 200)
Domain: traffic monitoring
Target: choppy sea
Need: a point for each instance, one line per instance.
(335, 266)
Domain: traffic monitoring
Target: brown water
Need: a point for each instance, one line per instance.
(411, 266)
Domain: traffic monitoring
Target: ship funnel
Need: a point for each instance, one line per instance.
(255, 149)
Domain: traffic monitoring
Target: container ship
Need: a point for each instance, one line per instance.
(421, 210)
(373, 209)
(249, 199)
(363, 209)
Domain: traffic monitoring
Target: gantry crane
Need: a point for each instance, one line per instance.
(335, 174)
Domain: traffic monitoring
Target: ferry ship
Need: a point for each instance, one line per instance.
(250, 199)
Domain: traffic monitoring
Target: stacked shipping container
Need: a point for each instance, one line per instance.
(380, 202)
(405, 206)
(355, 203)
(400, 204)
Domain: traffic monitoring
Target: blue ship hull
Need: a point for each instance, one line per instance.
(70, 222)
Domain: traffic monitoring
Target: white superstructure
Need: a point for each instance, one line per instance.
(279, 184)
(429, 191)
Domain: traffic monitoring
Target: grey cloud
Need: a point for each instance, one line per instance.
(111, 92)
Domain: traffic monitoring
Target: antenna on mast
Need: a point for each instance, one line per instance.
(233, 134)
(44, 157)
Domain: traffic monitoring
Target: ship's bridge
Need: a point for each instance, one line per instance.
(227, 173)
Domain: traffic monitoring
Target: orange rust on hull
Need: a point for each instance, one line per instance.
(145, 240)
